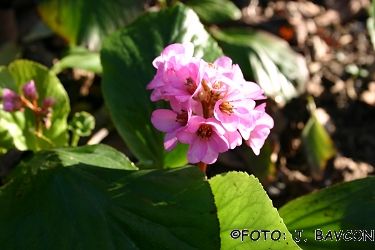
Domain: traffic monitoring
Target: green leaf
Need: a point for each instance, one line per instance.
(127, 57)
(69, 198)
(80, 58)
(20, 125)
(82, 22)
(215, 11)
(371, 22)
(242, 204)
(9, 52)
(318, 146)
(347, 206)
(265, 59)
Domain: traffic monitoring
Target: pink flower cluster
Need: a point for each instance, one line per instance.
(213, 106)
(15, 102)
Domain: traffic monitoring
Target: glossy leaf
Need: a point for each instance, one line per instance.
(82, 22)
(347, 206)
(318, 146)
(265, 59)
(70, 198)
(127, 57)
(214, 11)
(242, 204)
(20, 125)
(80, 58)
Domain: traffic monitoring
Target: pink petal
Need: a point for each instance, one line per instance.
(212, 153)
(185, 136)
(221, 142)
(234, 139)
(170, 141)
(257, 139)
(165, 120)
(194, 123)
(197, 150)
(224, 62)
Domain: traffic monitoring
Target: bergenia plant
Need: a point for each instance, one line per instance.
(213, 106)
(14, 102)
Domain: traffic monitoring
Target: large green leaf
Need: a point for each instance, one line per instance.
(347, 206)
(69, 198)
(84, 22)
(127, 57)
(318, 146)
(265, 59)
(242, 204)
(215, 11)
(20, 125)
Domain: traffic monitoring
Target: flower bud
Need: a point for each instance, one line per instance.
(12, 101)
(29, 91)
(48, 102)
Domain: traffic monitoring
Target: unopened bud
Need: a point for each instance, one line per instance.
(12, 101)
(29, 91)
(48, 102)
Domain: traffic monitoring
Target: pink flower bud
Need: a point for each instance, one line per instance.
(48, 102)
(12, 101)
(29, 91)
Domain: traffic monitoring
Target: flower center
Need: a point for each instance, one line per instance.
(227, 108)
(182, 118)
(190, 85)
(205, 131)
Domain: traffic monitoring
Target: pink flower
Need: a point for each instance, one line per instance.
(213, 106)
(251, 90)
(261, 130)
(171, 122)
(206, 138)
(185, 82)
(233, 112)
(171, 59)
(12, 101)
(29, 91)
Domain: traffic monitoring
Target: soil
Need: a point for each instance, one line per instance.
(329, 34)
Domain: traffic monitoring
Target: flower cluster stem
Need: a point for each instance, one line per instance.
(202, 166)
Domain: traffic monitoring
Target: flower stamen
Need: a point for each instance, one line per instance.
(190, 85)
(205, 131)
(227, 108)
(182, 118)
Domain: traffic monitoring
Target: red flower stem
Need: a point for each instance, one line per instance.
(34, 108)
(202, 166)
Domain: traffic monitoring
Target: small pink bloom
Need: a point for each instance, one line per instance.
(171, 59)
(261, 130)
(171, 122)
(234, 113)
(29, 91)
(12, 101)
(206, 138)
(186, 81)
(48, 102)
(251, 90)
